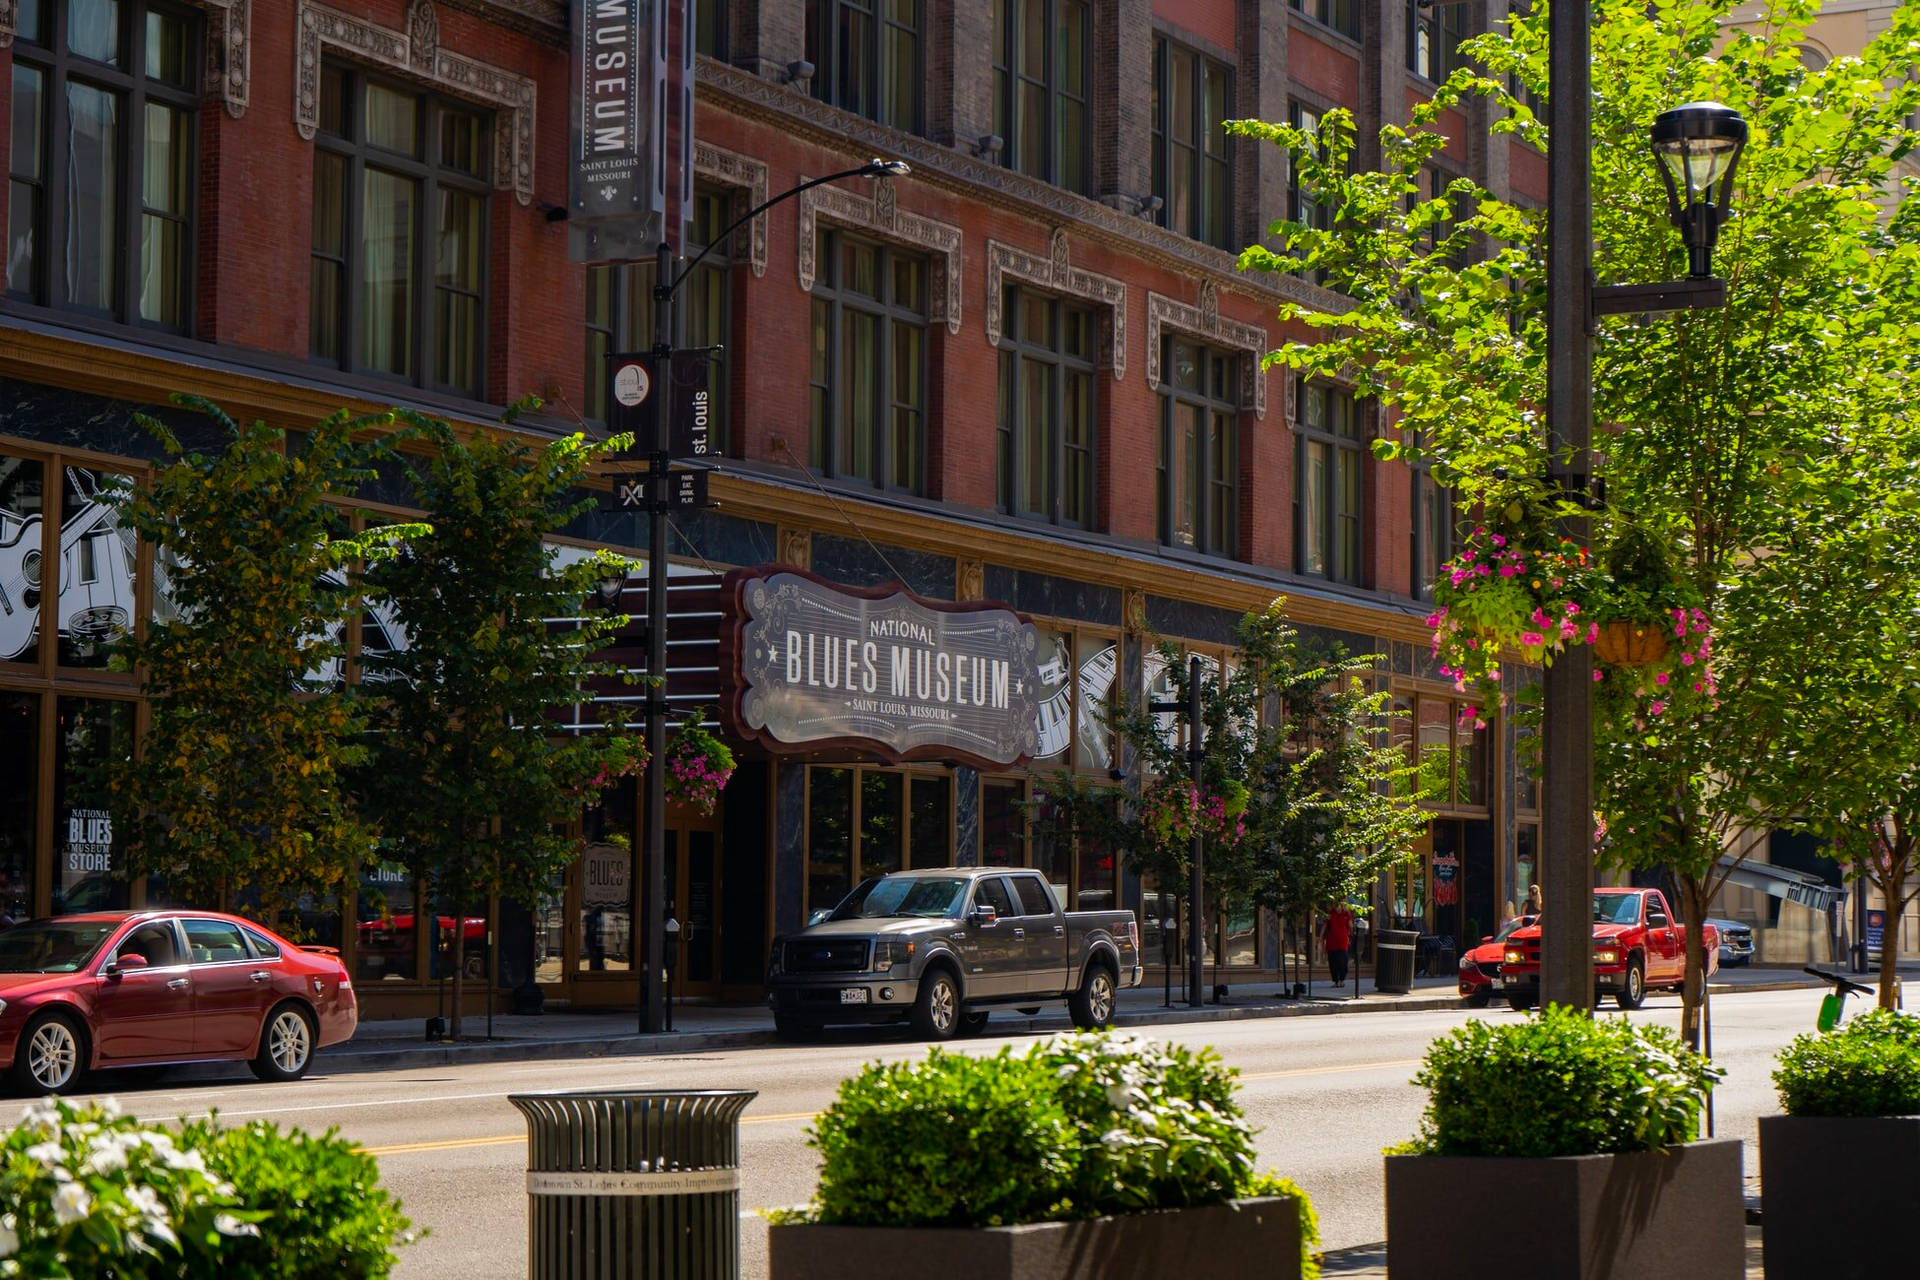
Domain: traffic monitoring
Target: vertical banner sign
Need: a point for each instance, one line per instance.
(615, 196)
(692, 434)
(630, 385)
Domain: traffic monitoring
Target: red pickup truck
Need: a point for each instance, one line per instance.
(1637, 947)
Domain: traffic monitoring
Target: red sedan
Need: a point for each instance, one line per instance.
(146, 988)
(1480, 967)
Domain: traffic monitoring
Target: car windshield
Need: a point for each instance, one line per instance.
(51, 946)
(1518, 922)
(1616, 908)
(931, 897)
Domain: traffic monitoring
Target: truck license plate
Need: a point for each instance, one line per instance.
(853, 995)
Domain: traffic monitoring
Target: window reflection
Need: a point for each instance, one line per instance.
(606, 880)
(94, 736)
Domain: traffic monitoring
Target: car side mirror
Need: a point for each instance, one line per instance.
(982, 916)
(123, 964)
(819, 916)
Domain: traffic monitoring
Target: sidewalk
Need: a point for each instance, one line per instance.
(391, 1045)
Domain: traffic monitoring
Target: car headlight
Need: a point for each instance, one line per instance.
(1606, 955)
(1515, 955)
(773, 958)
(3, 1006)
(888, 952)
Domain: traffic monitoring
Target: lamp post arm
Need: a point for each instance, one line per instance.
(873, 168)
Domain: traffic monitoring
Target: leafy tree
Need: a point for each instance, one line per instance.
(239, 779)
(1708, 416)
(461, 770)
(1314, 806)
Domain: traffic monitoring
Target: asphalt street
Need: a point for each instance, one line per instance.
(1327, 1093)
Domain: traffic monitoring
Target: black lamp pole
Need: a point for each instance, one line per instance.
(654, 1016)
(1197, 852)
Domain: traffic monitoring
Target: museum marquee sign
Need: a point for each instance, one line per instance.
(809, 665)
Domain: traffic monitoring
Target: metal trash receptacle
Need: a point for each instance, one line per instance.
(1393, 960)
(633, 1184)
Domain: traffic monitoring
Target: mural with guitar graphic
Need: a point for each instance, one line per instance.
(93, 573)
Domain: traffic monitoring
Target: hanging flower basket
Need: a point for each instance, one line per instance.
(1631, 644)
(698, 767)
(1175, 810)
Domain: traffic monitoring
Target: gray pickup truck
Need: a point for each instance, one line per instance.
(939, 947)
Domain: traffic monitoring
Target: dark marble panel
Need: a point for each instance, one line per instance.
(966, 816)
(790, 847)
(1352, 643)
(1184, 620)
(1051, 596)
(66, 419)
(723, 540)
(391, 483)
(851, 562)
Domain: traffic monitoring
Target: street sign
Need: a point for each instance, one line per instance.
(616, 190)
(629, 386)
(1876, 932)
(682, 491)
(686, 490)
(692, 435)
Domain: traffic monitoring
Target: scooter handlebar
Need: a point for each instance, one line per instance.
(1839, 983)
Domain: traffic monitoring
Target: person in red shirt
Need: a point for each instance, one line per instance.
(1336, 937)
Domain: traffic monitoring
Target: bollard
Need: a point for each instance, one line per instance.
(633, 1184)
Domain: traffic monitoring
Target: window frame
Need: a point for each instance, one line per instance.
(1012, 429)
(1443, 28)
(1350, 446)
(1217, 397)
(1010, 81)
(826, 438)
(1425, 491)
(429, 175)
(1201, 162)
(133, 89)
(1342, 17)
(822, 18)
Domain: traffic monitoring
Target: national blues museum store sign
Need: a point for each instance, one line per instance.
(810, 666)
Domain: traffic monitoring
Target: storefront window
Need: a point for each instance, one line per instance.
(1055, 658)
(22, 505)
(606, 880)
(1096, 876)
(94, 736)
(386, 924)
(1410, 889)
(932, 821)
(95, 584)
(1526, 871)
(19, 779)
(1093, 741)
(881, 795)
(1400, 738)
(1436, 751)
(1470, 778)
(442, 944)
(550, 932)
(1003, 827)
(1242, 941)
(829, 836)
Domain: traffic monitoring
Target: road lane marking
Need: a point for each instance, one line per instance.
(454, 1144)
(1328, 1071)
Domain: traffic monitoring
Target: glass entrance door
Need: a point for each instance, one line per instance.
(693, 902)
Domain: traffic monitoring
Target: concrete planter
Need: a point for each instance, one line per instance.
(1246, 1238)
(1674, 1212)
(1838, 1197)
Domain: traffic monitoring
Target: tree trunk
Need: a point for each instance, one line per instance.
(1893, 894)
(459, 966)
(1693, 892)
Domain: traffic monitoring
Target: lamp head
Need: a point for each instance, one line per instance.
(1698, 146)
(878, 168)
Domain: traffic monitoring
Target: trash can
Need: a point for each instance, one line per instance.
(625, 1183)
(1393, 960)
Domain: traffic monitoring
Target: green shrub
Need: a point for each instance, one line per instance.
(1867, 1067)
(1079, 1126)
(1561, 1084)
(321, 1211)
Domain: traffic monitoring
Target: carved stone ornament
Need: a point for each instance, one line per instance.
(423, 35)
(1133, 611)
(228, 46)
(9, 21)
(1206, 323)
(510, 94)
(796, 547)
(1056, 274)
(747, 176)
(879, 216)
(970, 579)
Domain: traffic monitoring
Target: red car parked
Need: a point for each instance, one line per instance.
(146, 988)
(1480, 967)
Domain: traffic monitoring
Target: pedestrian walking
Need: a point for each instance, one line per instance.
(1534, 904)
(1507, 914)
(1336, 938)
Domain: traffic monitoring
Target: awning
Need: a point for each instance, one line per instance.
(1783, 882)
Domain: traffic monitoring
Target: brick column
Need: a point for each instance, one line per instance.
(1383, 78)
(1486, 154)
(767, 35)
(1122, 100)
(959, 80)
(1260, 90)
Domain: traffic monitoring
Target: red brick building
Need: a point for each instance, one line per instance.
(1028, 372)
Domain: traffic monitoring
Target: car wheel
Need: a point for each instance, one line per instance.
(1519, 1003)
(1634, 993)
(1481, 998)
(49, 1055)
(788, 1027)
(1092, 1005)
(286, 1044)
(973, 1022)
(936, 1010)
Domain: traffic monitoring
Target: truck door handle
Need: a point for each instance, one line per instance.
(260, 975)
(177, 984)
(1059, 931)
(1018, 934)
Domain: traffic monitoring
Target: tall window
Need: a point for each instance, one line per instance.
(1301, 207)
(867, 392)
(1040, 87)
(1342, 15)
(400, 185)
(100, 190)
(620, 311)
(710, 28)
(1434, 36)
(1192, 175)
(1327, 484)
(1199, 493)
(866, 58)
(1046, 411)
(1432, 528)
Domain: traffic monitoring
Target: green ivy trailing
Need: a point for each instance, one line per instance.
(1867, 1067)
(1080, 1126)
(1561, 1084)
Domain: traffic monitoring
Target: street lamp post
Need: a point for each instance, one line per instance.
(657, 500)
(1197, 851)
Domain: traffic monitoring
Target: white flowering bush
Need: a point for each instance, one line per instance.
(86, 1191)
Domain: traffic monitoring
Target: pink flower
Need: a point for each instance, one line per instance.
(1507, 571)
(1686, 659)
(1499, 541)
(1598, 676)
(1572, 608)
(1531, 638)
(1540, 618)
(1593, 632)
(1661, 679)
(1698, 687)
(1657, 707)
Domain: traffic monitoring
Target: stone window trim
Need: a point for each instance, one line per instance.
(878, 215)
(229, 43)
(1054, 273)
(415, 53)
(745, 175)
(1205, 323)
